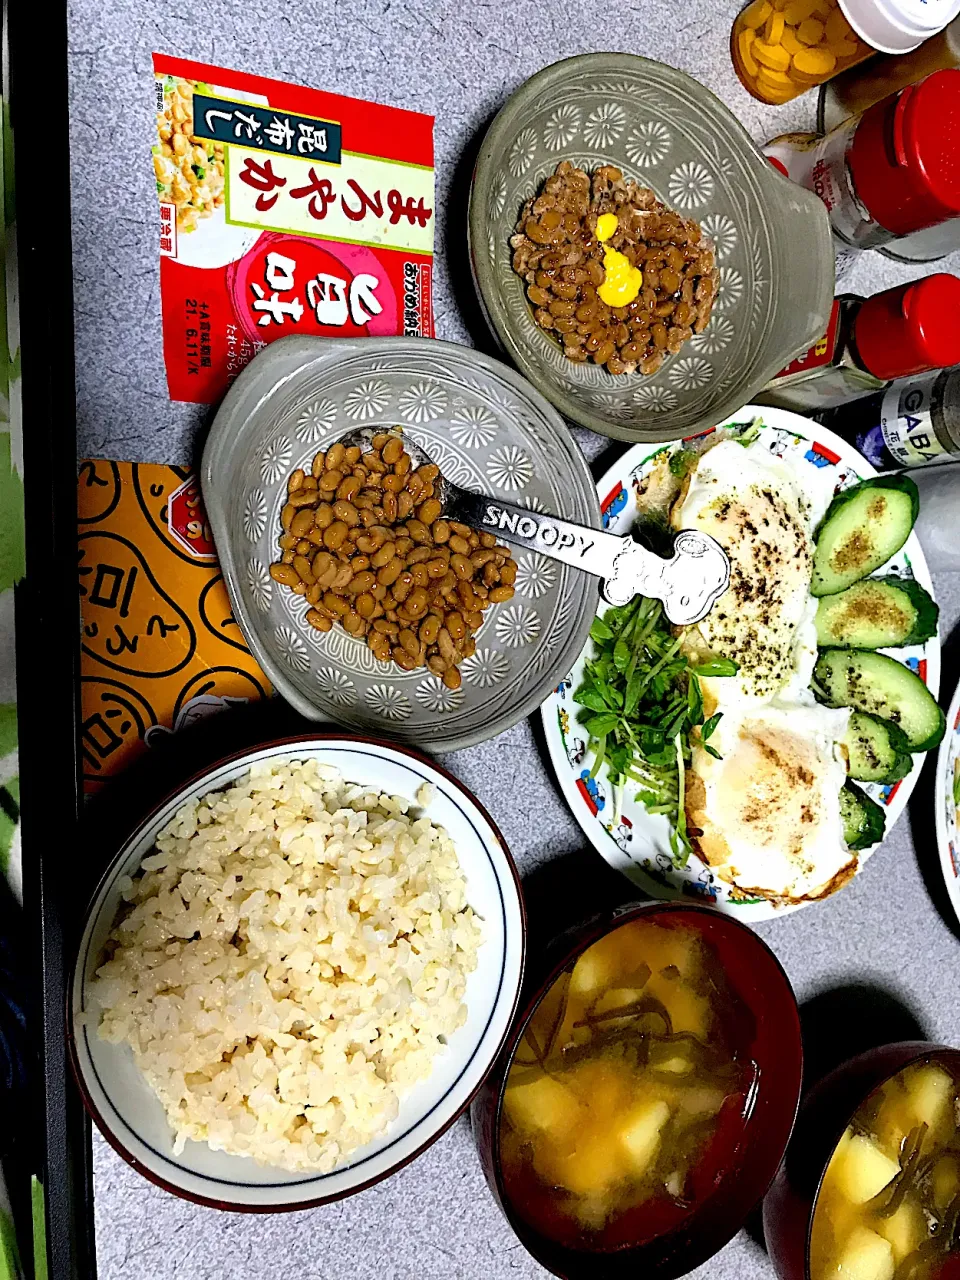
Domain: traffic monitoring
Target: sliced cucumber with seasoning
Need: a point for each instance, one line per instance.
(878, 613)
(883, 687)
(878, 749)
(864, 526)
(864, 821)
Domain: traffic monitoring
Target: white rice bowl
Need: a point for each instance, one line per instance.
(292, 974)
(294, 957)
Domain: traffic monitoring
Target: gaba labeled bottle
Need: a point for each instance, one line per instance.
(915, 422)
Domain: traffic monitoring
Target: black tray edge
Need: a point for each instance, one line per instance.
(48, 619)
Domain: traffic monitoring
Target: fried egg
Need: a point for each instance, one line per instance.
(751, 502)
(769, 810)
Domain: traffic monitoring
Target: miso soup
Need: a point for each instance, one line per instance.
(889, 1206)
(627, 1097)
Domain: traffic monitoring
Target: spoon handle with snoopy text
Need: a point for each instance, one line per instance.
(688, 584)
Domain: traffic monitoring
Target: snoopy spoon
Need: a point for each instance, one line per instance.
(688, 584)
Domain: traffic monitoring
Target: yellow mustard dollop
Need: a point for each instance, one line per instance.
(622, 282)
(607, 224)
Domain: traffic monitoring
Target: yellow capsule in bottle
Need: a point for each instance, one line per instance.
(744, 43)
(771, 55)
(814, 64)
(756, 14)
(844, 48)
(777, 97)
(798, 11)
(810, 31)
(838, 28)
(773, 28)
(776, 94)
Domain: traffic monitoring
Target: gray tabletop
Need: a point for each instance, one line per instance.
(869, 964)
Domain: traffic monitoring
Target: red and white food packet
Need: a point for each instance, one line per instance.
(283, 210)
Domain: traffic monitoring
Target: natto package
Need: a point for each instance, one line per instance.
(283, 210)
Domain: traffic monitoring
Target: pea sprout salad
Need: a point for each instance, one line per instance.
(641, 700)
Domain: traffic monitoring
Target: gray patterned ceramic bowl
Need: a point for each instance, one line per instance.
(669, 133)
(489, 431)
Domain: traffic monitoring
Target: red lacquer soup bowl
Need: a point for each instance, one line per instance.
(790, 1206)
(661, 1236)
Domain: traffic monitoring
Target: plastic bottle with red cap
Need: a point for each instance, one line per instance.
(902, 332)
(886, 173)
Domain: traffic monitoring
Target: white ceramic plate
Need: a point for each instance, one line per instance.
(948, 808)
(129, 1113)
(639, 846)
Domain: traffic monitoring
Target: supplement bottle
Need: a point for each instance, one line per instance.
(781, 48)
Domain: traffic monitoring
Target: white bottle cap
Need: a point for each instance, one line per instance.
(898, 26)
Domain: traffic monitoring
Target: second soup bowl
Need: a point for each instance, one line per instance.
(855, 1133)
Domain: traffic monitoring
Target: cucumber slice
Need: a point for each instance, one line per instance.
(864, 526)
(883, 687)
(864, 821)
(878, 749)
(878, 613)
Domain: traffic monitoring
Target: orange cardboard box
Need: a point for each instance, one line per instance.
(159, 645)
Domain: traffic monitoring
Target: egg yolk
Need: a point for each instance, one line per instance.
(621, 282)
